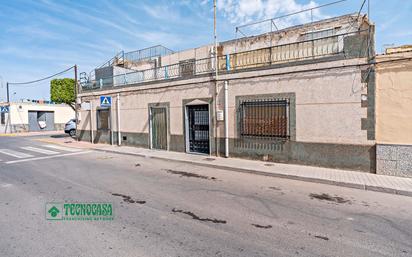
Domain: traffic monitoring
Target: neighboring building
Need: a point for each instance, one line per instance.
(301, 95)
(394, 111)
(30, 116)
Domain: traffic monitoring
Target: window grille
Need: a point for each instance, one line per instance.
(265, 118)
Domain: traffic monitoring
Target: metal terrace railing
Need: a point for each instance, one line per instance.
(138, 55)
(264, 57)
(282, 53)
(179, 70)
(147, 53)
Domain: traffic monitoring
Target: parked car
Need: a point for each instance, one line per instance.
(70, 127)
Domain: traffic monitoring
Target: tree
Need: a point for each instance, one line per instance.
(62, 91)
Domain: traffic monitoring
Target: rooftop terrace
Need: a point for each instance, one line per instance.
(343, 36)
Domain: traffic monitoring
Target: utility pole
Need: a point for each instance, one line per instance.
(75, 81)
(216, 78)
(8, 125)
(76, 91)
(8, 93)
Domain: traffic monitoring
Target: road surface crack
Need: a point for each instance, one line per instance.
(195, 217)
(326, 197)
(188, 174)
(262, 226)
(128, 199)
(322, 237)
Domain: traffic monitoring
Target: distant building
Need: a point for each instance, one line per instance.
(29, 116)
(301, 95)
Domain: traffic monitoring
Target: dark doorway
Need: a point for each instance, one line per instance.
(158, 127)
(198, 128)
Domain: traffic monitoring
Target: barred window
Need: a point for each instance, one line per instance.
(103, 119)
(267, 118)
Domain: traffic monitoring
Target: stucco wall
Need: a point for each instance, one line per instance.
(62, 113)
(394, 114)
(328, 103)
(394, 102)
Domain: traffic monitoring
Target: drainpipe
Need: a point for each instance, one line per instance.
(119, 141)
(226, 120)
(111, 126)
(91, 122)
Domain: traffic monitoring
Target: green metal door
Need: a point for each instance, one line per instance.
(159, 128)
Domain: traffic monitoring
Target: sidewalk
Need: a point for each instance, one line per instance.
(353, 179)
(33, 134)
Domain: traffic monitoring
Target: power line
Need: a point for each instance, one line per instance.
(290, 14)
(360, 10)
(38, 80)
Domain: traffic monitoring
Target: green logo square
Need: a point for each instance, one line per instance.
(54, 211)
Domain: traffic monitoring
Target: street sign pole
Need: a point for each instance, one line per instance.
(8, 125)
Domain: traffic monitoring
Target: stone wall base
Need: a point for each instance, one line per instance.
(395, 160)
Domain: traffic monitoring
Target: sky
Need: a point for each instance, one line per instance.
(42, 37)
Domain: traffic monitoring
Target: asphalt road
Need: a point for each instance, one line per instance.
(173, 209)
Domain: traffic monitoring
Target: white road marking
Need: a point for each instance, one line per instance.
(15, 153)
(39, 150)
(62, 148)
(47, 157)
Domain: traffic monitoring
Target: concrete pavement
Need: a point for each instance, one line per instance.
(353, 179)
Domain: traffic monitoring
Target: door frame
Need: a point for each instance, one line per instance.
(186, 125)
(165, 105)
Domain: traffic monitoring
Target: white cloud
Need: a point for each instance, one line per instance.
(244, 11)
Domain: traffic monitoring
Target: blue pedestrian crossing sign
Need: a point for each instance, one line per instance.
(105, 101)
(4, 109)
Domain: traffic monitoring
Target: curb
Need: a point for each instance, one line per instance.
(29, 135)
(276, 175)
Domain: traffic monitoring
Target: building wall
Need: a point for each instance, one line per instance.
(323, 99)
(394, 114)
(327, 104)
(19, 117)
(330, 87)
(342, 25)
